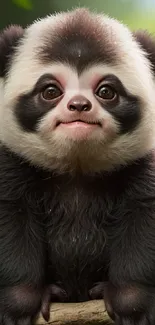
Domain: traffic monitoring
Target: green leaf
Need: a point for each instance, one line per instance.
(25, 4)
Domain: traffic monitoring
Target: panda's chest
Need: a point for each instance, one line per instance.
(76, 229)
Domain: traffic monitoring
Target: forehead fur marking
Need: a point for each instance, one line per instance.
(81, 39)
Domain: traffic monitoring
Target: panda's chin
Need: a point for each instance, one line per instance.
(78, 130)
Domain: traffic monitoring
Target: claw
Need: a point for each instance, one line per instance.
(45, 308)
(97, 292)
(52, 293)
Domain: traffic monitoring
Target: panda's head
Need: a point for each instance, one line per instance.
(77, 92)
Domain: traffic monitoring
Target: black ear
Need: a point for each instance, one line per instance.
(147, 43)
(9, 39)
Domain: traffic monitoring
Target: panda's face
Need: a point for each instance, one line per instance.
(78, 95)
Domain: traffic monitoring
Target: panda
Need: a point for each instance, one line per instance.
(77, 167)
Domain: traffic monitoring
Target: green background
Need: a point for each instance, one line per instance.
(135, 13)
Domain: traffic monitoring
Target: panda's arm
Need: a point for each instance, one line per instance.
(131, 289)
(22, 255)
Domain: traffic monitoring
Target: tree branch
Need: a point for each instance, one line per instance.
(86, 313)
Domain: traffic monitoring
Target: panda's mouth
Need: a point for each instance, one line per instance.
(79, 122)
(78, 130)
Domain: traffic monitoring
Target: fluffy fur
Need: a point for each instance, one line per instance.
(77, 217)
(132, 68)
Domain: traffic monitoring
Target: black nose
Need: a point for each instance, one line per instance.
(79, 103)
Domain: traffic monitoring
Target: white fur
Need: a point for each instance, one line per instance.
(55, 150)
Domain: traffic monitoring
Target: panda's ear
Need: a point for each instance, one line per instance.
(147, 43)
(9, 39)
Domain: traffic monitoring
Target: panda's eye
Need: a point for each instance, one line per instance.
(51, 92)
(106, 92)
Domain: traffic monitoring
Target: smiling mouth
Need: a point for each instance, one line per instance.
(79, 122)
(78, 130)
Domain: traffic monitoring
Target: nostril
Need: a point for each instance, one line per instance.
(85, 107)
(72, 108)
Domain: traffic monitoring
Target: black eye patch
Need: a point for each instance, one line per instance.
(29, 109)
(127, 109)
(127, 112)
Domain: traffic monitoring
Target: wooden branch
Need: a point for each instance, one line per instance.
(86, 313)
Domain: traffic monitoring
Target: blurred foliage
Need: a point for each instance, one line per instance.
(135, 13)
(26, 4)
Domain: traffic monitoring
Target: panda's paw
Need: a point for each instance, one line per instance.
(130, 304)
(19, 305)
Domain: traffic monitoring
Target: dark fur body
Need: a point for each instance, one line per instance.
(77, 230)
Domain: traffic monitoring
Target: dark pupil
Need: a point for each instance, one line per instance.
(51, 92)
(106, 92)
